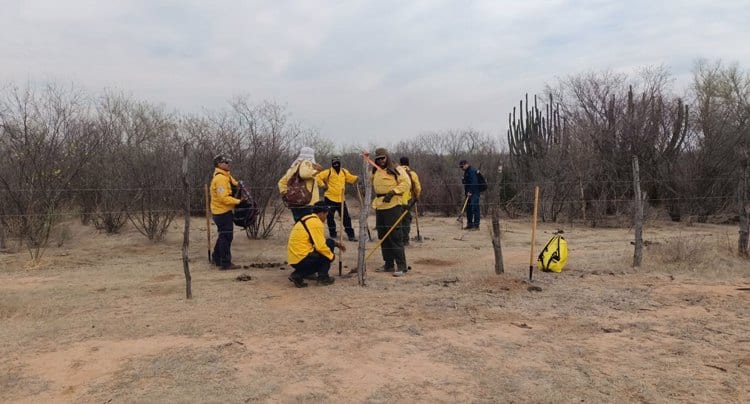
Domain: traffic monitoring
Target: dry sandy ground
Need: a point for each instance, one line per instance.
(104, 319)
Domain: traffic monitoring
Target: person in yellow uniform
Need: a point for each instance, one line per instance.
(308, 169)
(333, 180)
(308, 251)
(390, 183)
(222, 204)
(412, 193)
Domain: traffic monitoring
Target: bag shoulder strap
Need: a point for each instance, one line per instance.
(303, 220)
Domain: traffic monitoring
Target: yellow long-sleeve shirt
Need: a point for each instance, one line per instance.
(222, 200)
(307, 172)
(384, 181)
(335, 182)
(416, 186)
(300, 245)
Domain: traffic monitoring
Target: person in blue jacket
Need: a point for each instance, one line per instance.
(472, 192)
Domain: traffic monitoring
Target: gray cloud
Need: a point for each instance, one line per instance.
(360, 70)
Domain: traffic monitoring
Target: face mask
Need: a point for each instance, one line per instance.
(336, 165)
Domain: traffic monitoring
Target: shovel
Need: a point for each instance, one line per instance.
(460, 218)
(416, 219)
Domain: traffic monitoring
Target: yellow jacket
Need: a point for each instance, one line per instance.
(222, 200)
(335, 182)
(300, 245)
(307, 171)
(384, 181)
(416, 186)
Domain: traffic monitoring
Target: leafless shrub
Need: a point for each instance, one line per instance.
(47, 139)
(683, 250)
(151, 158)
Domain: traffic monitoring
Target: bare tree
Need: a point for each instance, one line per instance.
(606, 124)
(46, 139)
(150, 156)
(714, 162)
(435, 156)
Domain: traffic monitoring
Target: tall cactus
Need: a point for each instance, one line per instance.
(537, 145)
(532, 134)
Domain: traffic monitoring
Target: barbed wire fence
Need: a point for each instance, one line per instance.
(11, 229)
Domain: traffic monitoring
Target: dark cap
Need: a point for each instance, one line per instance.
(320, 206)
(462, 162)
(404, 161)
(221, 158)
(335, 159)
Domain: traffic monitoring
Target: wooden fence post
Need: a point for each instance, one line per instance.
(638, 215)
(363, 226)
(744, 209)
(186, 233)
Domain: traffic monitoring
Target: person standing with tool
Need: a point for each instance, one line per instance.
(334, 180)
(412, 193)
(472, 192)
(222, 204)
(390, 183)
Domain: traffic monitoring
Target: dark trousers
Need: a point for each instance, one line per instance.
(392, 247)
(222, 255)
(472, 211)
(406, 225)
(333, 209)
(314, 262)
(299, 213)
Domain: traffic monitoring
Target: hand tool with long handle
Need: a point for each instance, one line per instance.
(416, 220)
(533, 233)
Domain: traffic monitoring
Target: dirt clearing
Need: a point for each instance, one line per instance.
(104, 319)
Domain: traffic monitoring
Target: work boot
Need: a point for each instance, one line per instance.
(352, 238)
(325, 280)
(384, 269)
(297, 281)
(399, 273)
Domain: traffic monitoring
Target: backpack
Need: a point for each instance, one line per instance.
(481, 182)
(554, 256)
(297, 195)
(246, 212)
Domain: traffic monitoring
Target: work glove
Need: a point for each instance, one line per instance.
(387, 198)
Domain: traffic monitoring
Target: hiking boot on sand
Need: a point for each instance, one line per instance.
(352, 238)
(298, 282)
(384, 269)
(399, 273)
(325, 280)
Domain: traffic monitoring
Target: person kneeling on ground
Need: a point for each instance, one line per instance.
(308, 251)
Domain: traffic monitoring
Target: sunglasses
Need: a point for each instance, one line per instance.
(380, 158)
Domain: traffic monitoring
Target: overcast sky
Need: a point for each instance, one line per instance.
(360, 71)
